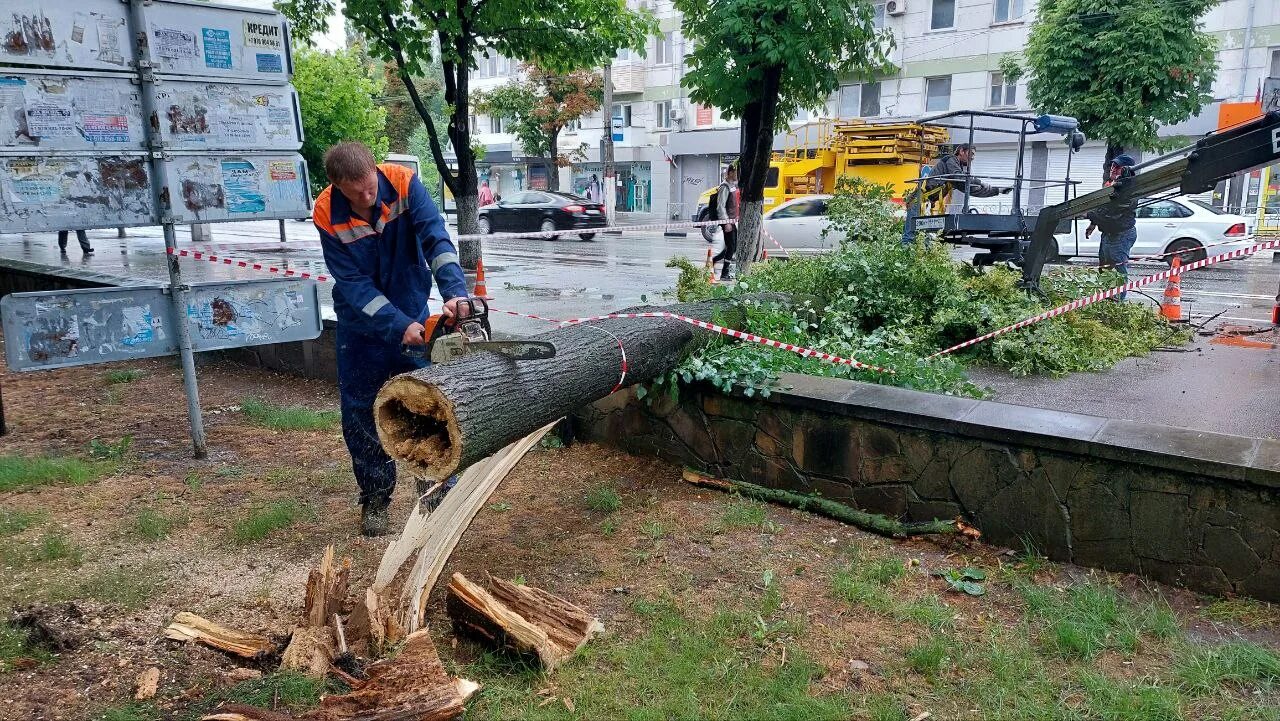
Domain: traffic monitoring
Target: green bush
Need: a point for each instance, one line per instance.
(884, 304)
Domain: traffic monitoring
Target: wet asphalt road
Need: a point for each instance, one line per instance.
(1214, 388)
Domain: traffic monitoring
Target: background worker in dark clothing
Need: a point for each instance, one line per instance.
(81, 237)
(383, 240)
(949, 173)
(726, 208)
(1117, 220)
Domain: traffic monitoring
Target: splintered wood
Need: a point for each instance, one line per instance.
(189, 627)
(524, 620)
(314, 646)
(413, 686)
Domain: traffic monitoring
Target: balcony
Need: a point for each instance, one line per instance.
(629, 77)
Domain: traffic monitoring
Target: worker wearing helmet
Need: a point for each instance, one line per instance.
(1117, 220)
(951, 173)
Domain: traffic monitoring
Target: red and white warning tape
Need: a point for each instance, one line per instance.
(732, 333)
(1104, 294)
(1162, 256)
(250, 264)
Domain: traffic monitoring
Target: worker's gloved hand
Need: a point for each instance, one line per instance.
(453, 310)
(1006, 191)
(415, 334)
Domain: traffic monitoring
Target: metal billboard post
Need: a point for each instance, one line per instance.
(178, 296)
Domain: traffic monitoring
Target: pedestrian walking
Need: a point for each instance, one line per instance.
(486, 193)
(1117, 220)
(383, 240)
(594, 192)
(81, 237)
(950, 173)
(725, 207)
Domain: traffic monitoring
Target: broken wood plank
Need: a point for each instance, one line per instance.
(873, 522)
(326, 590)
(413, 686)
(188, 627)
(523, 620)
(147, 683)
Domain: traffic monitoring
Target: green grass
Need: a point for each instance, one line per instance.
(1243, 611)
(679, 667)
(291, 418)
(123, 375)
(1086, 619)
(928, 657)
(603, 499)
(263, 521)
(15, 644)
(1112, 700)
(865, 582)
(745, 513)
(110, 451)
(1240, 664)
(883, 707)
(654, 529)
(929, 612)
(14, 520)
(131, 711)
(21, 473)
(283, 692)
(126, 587)
(609, 526)
(56, 546)
(152, 525)
(193, 481)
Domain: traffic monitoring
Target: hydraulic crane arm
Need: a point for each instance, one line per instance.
(1215, 158)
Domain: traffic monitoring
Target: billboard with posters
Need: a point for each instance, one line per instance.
(196, 115)
(205, 188)
(68, 110)
(85, 34)
(67, 192)
(217, 41)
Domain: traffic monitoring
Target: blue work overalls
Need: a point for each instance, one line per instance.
(382, 276)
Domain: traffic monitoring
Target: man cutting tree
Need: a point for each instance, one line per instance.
(383, 240)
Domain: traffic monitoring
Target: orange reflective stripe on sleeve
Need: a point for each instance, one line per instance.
(322, 213)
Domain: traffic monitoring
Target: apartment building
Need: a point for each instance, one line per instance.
(948, 55)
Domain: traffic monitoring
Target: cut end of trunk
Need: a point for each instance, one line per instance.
(416, 425)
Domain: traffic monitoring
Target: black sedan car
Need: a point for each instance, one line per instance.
(543, 210)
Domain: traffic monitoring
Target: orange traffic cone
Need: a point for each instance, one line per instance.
(1171, 305)
(482, 288)
(710, 268)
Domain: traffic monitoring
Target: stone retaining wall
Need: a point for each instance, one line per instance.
(1185, 507)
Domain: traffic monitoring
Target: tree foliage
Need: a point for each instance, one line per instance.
(1121, 68)
(307, 18)
(336, 94)
(560, 34)
(764, 60)
(402, 117)
(540, 106)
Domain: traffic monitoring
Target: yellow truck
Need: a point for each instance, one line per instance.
(817, 154)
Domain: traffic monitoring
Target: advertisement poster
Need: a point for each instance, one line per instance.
(270, 63)
(105, 128)
(174, 43)
(263, 36)
(702, 115)
(37, 189)
(50, 119)
(109, 50)
(281, 170)
(217, 48)
(244, 191)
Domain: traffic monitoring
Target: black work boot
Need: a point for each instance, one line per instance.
(374, 517)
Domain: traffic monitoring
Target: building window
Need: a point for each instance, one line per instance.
(663, 49)
(937, 92)
(625, 55)
(662, 114)
(1275, 64)
(573, 126)
(495, 124)
(623, 110)
(878, 17)
(1008, 11)
(1004, 94)
(860, 100)
(944, 15)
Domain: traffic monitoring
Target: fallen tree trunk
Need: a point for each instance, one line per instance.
(523, 620)
(443, 418)
(873, 522)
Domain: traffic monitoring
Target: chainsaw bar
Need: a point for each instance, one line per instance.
(517, 349)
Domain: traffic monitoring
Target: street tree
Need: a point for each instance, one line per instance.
(560, 34)
(336, 93)
(539, 107)
(764, 60)
(307, 18)
(1121, 68)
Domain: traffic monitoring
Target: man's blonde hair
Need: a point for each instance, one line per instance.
(348, 161)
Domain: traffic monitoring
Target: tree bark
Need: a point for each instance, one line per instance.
(758, 121)
(441, 419)
(553, 167)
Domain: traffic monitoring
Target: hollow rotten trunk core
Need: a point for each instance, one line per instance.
(416, 424)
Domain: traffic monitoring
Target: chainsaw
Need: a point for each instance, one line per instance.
(469, 331)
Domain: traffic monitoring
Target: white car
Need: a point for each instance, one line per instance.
(799, 226)
(1177, 225)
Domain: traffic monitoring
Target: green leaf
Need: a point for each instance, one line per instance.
(973, 589)
(973, 574)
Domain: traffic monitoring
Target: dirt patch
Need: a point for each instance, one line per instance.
(665, 541)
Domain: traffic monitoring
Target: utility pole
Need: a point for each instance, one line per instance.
(610, 183)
